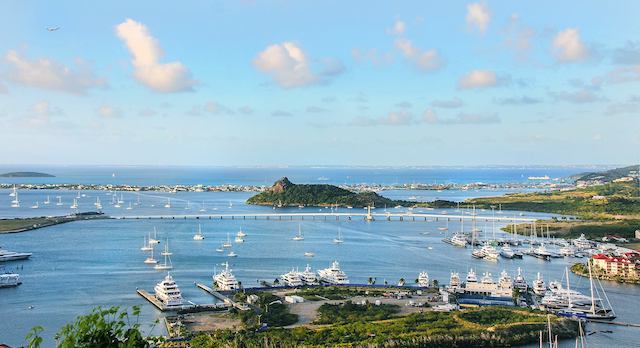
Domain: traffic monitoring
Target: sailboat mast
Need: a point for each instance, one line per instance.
(593, 300)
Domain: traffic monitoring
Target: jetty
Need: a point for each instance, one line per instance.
(227, 301)
(192, 307)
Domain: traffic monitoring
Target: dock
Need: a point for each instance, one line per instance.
(227, 301)
(192, 308)
(154, 301)
(608, 322)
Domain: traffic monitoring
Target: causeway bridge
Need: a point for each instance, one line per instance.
(368, 216)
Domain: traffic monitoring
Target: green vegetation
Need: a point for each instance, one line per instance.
(349, 312)
(606, 176)
(268, 309)
(619, 201)
(110, 327)
(573, 229)
(428, 329)
(285, 193)
(26, 224)
(26, 175)
(581, 269)
(338, 292)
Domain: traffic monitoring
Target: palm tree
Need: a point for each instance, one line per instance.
(401, 282)
(276, 281)
(416, 281)
(370, 281)
(435, 283)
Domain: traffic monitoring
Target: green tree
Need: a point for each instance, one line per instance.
(435, 283)
(33, 337)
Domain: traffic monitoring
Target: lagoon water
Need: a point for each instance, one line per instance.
(80, 265)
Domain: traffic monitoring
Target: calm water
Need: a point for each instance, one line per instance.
(80, 265)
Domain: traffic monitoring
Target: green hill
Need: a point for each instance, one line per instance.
(285, 193)
(26, 175)
(608, 175)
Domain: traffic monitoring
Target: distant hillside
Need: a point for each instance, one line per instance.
(607, 176)
(285, 193)
(26, 175)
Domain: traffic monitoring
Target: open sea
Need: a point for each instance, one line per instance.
(80, 265)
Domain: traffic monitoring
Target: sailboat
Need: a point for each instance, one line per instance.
(227, 244)
(241, 233)
(35, 206)
(129, 207)
(15, 203)
(198, 235)
(220, 249)
(13, 192)
(47, 201)
(202, 209)
(121, 200)
(188, 206)
(154, 240)
(74, 205)
(146, 246)
(338, 239)
(166, 253)
(150, 259)
(298, 236)
(59, 200)
(168, 205)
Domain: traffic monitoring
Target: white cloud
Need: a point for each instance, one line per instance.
(568, 47)
(478, 16)
(428, 60)
(146, 52)
(109, 111)
(40, 114)
(399, 27)
(519, 37)
(478, 79)
(48, 74)
(287, 64)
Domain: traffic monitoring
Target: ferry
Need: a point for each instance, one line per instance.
(225, 280)
(423, 279)
(308, 277)
(168, 293)
(333, 274)
(9, 280)
(292, 279)
(6, 255)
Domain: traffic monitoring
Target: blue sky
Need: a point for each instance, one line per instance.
(307, 82)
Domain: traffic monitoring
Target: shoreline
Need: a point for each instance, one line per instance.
(581, 272)
(34, 223)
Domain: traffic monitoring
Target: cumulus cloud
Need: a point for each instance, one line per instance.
(424, 60)
(523, 100)
(518, 37)
(431, 117)
(478, 79)
(582, 96)
(40, 114)
(289, 66)
(146, 53)
(478, 16)
(109, 111)
(399, 27)
(47, 74)
(568, 46)
(448, 103)
(372, 56)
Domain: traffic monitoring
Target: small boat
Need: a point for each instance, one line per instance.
(35, 206)
(198, 235)
(47, 201)
(309, 254)
(59, 201)
(150, 260)
(241, 233)
(298, 236)
(232, 254)
(220, 249)
(338, 239)
(168, 205)
(227, 244)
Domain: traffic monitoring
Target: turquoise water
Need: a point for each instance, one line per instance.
(80, 265)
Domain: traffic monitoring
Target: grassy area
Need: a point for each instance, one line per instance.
(477, 328)
(619, 201)
(266, 311)
(338, 292)
(350, 312)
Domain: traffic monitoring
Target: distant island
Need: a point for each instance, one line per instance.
(285, 193)
(26, 175)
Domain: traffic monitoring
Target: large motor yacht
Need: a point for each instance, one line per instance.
(292, 278)
(6, 255)
(167, 292)
(333, 274)
(308, 277)
(423, 279)
(225, 280)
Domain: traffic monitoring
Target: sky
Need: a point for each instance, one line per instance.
(396, 83)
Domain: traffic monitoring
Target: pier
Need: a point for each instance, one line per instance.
(331, 216)
(227, 301)
(617, 323)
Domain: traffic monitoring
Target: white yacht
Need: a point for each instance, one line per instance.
(8, 280)
(225, 280)
(298, 236)
(333, 274)
(582, 242)
(454, 281)
(519, 282)
(308, 277)
(488, 252)
(567, 250)
(150, 260)
(6, 255)
(471, 276)
(292, 278)
(309, 254)
(539, 287)
(241, 233)
(167, 292)
(232, 254)
(505, 282)
(423, 279)
(198, 235)
(507, 252)
(459, 240)
(541, 252)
